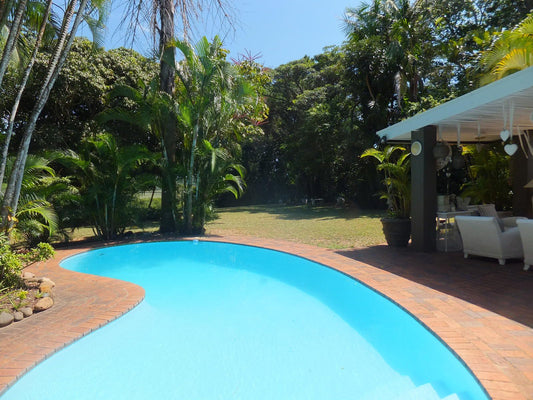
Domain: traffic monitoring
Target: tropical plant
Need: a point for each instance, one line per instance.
(22, 86)
(400, 30)
(152, 111)
(393, 161)
(489, 171)
(212, 99)
(161, 15)
(512, 52)
(218, 173)
(75, 14)
(36, 219)
(107, 177)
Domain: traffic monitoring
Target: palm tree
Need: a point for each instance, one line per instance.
(14, 32)
(512, 52)
(161, 15)
(393, 161)
(210, 95)
(404, 38)
(61, 51)
(218, 173)
(20, 91)
(35, 217)
(105, 176)
(153, 111)
(211, 107)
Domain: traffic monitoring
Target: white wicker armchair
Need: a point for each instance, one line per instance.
(525, 226)
(483, 236)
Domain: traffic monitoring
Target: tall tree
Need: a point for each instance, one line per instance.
(14, 32)
(22, 87)
(62, 48)
(212, 100)
(161, 15)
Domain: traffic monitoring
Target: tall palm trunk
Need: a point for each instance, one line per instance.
(5, 8)
(22, 86)
(14, 32)
(188, 215)
(167, 85)
(56, 63)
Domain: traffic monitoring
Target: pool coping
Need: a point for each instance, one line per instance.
(479, 337)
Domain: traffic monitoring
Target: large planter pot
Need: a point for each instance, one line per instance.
(397, 231)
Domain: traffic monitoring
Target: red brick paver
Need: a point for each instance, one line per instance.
(482, 311)
(83, 303)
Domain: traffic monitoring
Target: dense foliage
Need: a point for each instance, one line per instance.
(198, 128)
(400, 57)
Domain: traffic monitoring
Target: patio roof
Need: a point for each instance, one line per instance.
(485, 110)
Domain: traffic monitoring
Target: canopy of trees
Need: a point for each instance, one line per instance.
(197, 128)
(400, 57)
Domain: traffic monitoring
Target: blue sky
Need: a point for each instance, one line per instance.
(280, 30)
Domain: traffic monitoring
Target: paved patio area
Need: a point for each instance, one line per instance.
(482, 311)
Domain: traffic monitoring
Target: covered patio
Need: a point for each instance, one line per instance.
(477, 117)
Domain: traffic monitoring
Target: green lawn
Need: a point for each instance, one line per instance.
(330, 227)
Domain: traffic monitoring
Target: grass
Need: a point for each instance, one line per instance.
(326, 226)
(329, 227)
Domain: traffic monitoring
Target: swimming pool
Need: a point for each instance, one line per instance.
(223, 321)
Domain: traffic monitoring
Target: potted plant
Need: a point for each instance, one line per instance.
(393, 161)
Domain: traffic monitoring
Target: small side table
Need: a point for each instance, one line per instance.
(448, 237)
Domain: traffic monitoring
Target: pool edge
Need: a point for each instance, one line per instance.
(496, 383)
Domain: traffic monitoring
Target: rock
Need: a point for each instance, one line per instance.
(31, 283)
(6, 318)
(47, 281)
(43, 304)
(18, 316)
(28, 275)
(26, 311)
(46, 287)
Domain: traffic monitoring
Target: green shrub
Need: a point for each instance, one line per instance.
(12, 263)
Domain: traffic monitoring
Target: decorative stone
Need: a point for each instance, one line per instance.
(6, 318)
(46, 287)
(18, 316)
(31, 283)
(26, 311)
(43, 304)
(48, 281)
(28, 275)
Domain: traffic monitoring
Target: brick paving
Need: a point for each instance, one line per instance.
(484, 312)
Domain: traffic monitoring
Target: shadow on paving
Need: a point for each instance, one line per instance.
(506, 290)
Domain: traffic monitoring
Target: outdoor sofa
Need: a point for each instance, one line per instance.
(490, 237)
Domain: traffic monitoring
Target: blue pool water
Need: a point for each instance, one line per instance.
(224, 321)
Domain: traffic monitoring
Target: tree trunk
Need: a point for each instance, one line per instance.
(12, 194)
(14, 109)
(5, 8)
(190, 178)
(166, 84)
(14, 32)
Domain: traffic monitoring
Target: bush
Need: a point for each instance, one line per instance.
(12, 263)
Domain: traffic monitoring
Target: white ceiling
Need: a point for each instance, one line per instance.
(490, 107)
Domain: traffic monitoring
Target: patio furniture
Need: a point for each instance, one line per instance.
(525, 226)
(504, 218)
(448, 238)
(483, 236)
